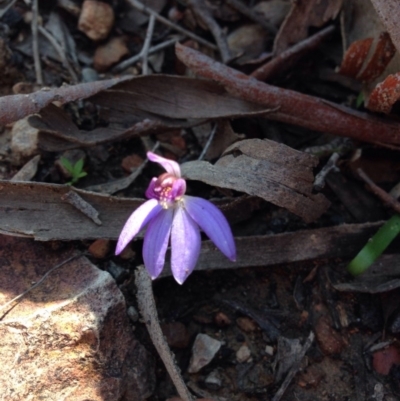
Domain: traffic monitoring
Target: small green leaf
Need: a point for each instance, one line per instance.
(375, 246)
(82, 174)
(78, 166)
(67, 164)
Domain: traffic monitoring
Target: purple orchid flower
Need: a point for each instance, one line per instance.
(171, 213)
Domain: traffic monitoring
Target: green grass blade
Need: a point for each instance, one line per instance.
(375, 246)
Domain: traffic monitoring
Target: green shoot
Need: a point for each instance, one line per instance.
(375, 246)
(76, 170)
(360, 100)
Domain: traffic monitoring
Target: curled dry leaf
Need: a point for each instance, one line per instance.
(15, 107)
(302, 15)
(365, 60)
(385, 94)
(272, 171)
(142, 106)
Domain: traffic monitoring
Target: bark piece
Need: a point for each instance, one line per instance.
(272, 171)
(69, 338)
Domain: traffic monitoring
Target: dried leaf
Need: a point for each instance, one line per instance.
(303, 15)
(41, 211)
(389, 13)
(272, 171)
(15, 107)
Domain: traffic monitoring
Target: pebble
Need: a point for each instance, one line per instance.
(96, 19)
(222, 320)
(133, 314)
(131, 162)
(118, 272)
(108, 54)
(269, 350)
(99, 248)
(204, 350)
(329, 340)
(213, 381)
(246, 324)
(24, 141)
(176, 334)
(384, 359)
(243, 354)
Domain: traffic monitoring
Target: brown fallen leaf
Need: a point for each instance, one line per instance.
(142, 106)
(303, 15)
(264, 168)
(385, 94)
(15, 107)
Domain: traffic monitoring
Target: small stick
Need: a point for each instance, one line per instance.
(283, 60)
(379, 192)
(146, 45)
(35, 43)
(208, 143)
(84, 207)
(130, 61)
(17, 298)
(201, 10)
(250, 14)
(60, 53)
(319, 181)
(294, 369)
(141, 7)
(148, 309)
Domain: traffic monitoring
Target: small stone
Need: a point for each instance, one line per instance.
(89, 75)
(384, 359)
(24, 141)
(99, 248)
(110, 53)
(176, 334)
(203, 351)
(213, 381)
(133, 314)
(96, 19)
(127, 253)
(118, 272)
(243, 354)
(246, 324)
(129, 163)
(222, 320)
(311, 377)
(269, 350)
(329, 340)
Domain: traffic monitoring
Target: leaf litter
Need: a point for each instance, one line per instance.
(252, 136)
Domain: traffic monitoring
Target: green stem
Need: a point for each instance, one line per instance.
(375, 246)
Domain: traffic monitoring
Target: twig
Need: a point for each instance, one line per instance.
(294, 107)
(208, 143)
(6, 7)
(137, 57)
(201, 10)
(60, 52)
(84, 207)
(249, 13)
(17, 298)
(319, 181)
(379, 192)
(294, 369)
(141, 7)
(285, 59)
(148, 310)
(35, 42)
(146, 45)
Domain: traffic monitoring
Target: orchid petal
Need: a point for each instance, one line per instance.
(150, 193)
(138, 219)
(178, 188)
(170, 166)
(213, 223)
(185, 245)
(156, 242)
